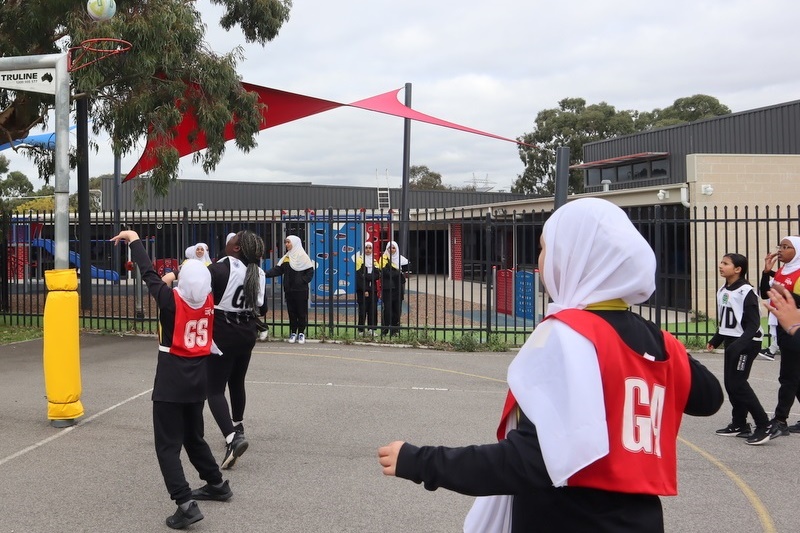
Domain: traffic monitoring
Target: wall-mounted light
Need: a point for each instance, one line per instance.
(662, 195)
(199, 206)
(707, 189)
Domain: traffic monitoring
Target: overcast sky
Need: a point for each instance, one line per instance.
(491, 66)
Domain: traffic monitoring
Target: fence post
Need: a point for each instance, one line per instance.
(331, 277)
(659, 227)
(489, 280)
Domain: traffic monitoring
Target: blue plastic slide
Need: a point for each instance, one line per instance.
(75, 259)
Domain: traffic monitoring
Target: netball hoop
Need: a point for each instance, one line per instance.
(91, 51)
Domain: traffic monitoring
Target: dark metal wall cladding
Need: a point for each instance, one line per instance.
(216, 195)
(768, 130)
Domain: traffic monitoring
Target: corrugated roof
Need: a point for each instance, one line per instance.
(219, 195)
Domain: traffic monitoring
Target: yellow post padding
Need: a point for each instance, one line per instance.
(62, 367)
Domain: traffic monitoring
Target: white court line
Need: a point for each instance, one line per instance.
(68, 429)
(382, 387)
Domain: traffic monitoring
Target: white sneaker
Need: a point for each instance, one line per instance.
(293, 338)
(301, 339)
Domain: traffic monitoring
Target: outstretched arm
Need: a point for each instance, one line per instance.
(511, 466)
(127, 235)
(160, 290)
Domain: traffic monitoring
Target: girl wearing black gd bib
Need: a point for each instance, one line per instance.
(739, 328)
(237, 283)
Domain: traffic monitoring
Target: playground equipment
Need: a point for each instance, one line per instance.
(75, 260)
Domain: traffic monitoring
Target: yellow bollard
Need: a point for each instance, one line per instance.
(62, 370)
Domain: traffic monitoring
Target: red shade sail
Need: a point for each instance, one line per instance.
(389, 104)
(282, 107)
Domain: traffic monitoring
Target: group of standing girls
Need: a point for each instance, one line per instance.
(740, 332)
(390, 269)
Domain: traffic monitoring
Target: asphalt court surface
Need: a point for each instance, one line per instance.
(316, 414)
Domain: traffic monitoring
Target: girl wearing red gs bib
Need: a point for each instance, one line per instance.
(588, 432)
(185, 328)
(786, 276)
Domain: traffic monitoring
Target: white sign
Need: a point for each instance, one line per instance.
(38, 80)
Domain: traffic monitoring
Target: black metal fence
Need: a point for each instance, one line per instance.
(472, 272)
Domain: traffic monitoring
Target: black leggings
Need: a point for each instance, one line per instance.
(177, 425)
(741, 395)
(788, 376)
(297, 307)
(236, 341)
(367, 310)
(392, 310)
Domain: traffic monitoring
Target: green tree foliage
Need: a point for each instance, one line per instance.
(13, 188)
(16, 184)
(573, 124)
(144, 92)
(688, 109)
(420, 177)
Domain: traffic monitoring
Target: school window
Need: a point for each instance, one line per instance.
(660, 168)
(624, 173)
(593, 176)
(609, 174)
(641, 171)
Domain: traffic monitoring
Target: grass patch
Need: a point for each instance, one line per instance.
(10, 333)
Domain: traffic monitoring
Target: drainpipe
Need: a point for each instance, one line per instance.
(685, 197)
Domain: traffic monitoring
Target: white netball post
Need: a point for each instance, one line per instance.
(48, 74)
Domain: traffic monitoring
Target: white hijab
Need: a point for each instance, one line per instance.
(592, 253)
(396, 259)
(787, 268)
(190, 253)
(794, 264)
(297, 257)
(194, 283)
(369, 258)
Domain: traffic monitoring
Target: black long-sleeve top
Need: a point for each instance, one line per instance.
(393, 281)
(751, 321)
(515, 465)
(178, 379)
(294, 281)
(365, 281)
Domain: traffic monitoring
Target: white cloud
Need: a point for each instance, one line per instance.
(491, 66)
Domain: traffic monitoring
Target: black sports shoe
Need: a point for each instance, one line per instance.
(210, 492)
(795, 428)
(732, 430)
(759, 436)
(182, 518)
(778, 429)
(234, 450)
(239, 429)
(766, 354)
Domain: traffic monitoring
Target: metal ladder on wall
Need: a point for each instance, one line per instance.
(383, 198)
(383, 193)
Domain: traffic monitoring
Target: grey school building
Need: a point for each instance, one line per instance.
(696, 190)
